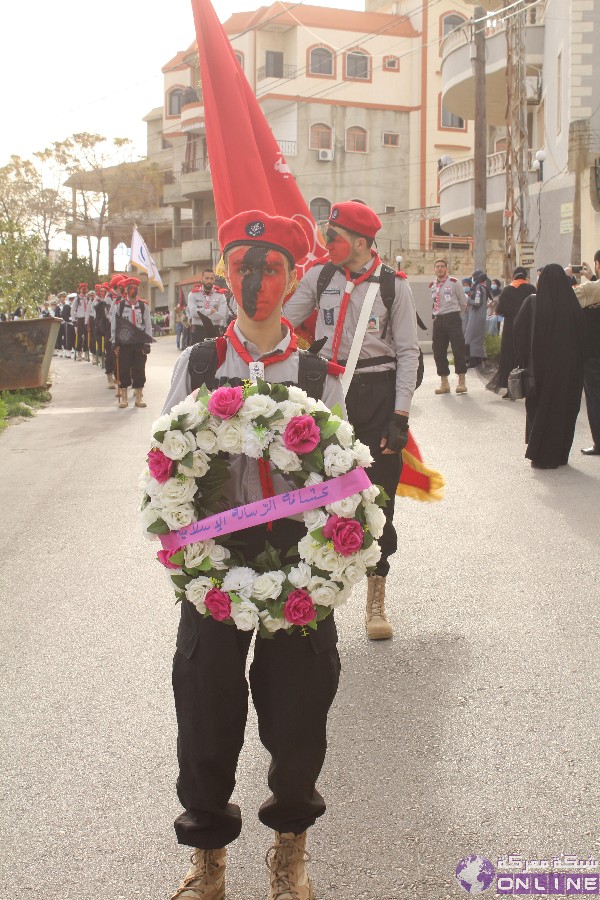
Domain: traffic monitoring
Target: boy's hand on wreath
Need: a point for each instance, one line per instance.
(395, 436)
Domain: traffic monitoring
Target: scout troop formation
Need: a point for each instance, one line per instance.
(97, 327)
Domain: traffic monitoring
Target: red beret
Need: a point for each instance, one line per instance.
(97, 287)
(106, 286)
(131, 280)
(256, 227)
(117, 279)
(83, 284)
(356, 217)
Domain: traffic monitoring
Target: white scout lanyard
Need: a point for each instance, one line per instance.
(361, 330)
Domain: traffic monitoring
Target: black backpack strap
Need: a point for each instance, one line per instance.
(325, 276)
(387, 289)
(312, 372)
(203, 364)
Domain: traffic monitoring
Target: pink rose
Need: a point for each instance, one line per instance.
(218, 604)
(164, 557)
(161, 467)
(299, 608)
(347, 534)
(301, 434)
(225, 402)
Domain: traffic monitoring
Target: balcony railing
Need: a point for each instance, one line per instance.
(284, 71)
(463, 34)
(174, 176)
(465, 169)
(288, 148)
(198, 232)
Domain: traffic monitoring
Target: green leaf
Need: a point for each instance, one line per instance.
(235, 598)
(313, 462)
(177, 558)
(263, 387)
(338, 411)
(368, 540)
(323, 612)
(159, 527)
(269, 560)
(328, 429)
(321, 415)
(181, 581)
(188, 460)
(318, 535)
(279, 393)
(159, 436)
(277, 415)
(202, 392)
(382, 498)
(313, 624)
(265, 634)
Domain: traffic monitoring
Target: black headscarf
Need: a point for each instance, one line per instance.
(559, 321)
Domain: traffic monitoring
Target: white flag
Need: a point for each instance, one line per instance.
(141, 258)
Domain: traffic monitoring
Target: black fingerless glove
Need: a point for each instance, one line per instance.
(146, 349)
(396, 433)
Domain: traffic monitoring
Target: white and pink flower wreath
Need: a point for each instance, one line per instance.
(188, 467)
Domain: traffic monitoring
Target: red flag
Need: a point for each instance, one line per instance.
(248, 169)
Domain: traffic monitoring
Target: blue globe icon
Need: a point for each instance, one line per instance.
(475, 874)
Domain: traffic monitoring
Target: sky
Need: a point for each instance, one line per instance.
(72, 65)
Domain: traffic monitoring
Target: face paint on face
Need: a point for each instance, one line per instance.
(132, 291)
(258, 278)
(338, 247)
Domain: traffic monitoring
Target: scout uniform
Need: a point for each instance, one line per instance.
(78, 317)
(385, 376)
(288, 673)
(201, 306)
(131, 363)
(448, 302)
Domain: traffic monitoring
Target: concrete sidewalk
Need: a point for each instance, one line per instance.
(474, 731)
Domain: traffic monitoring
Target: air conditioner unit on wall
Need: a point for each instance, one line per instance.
(325, 155)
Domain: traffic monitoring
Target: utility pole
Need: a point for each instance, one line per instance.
(480, 161)
(517, 145)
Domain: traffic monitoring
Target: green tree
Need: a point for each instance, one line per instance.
(23, 270)
(67, 272)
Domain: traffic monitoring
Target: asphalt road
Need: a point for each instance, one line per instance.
(474, 731)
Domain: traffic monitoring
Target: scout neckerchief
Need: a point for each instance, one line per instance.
(351, 283)
(439, 286)
(257, 370)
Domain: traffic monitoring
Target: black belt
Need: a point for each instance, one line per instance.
(374, 377)
(369, 363)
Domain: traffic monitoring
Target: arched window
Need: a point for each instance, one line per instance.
(358, 65)
(240, 58)
(449, 23)
(356, 140)
(175, 101)
(321, 137)
(320, 61)
(320, 209)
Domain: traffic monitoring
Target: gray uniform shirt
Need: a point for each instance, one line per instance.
(401, 337)
(212, 305)
(79, 308)
(138, 314)
(244, 482)
(452, 296)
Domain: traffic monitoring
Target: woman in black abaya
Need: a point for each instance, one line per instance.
(509, 304)
(558, 355)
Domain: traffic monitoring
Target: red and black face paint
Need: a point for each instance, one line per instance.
(338, 246)
(258, 276)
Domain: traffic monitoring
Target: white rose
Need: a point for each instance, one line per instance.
(322, 591)
(313, 478)
(176, 491)
(196, 591)
(258, 405)
(177, 444)
(346, 507)
(144, 480)
(272, 624)
(371, 556)
(255, 440)
(194, 410)
(371, 493)
(375, 517)
(354, 571)
(315, 518)
(330, 560)
(163, 423)
(206, 440)
(283, 459)
(239, 580)
(218, 554)
(290, 410)
(337, 460)
(199, 467)
(267, 586)
(345, 434)
(342, 595)
(297, 395)
(176, 517)
(307, 548)
(229, 436)
(196, 553)
(153, 489)
(245, 615)
(148, 517)
(362, 454)
(300, 575)
(321, 407)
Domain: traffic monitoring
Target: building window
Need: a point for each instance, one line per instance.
(321, 137)
(450, 23)
(391, 139)
(358, 66)
(391, 64)
(388, 210)
(240, 58)
(501, 145)
(559, 94)
(356, 140)
(274, 64)
(320, 61)
(175, 102)
(320, 209)
(450, 120)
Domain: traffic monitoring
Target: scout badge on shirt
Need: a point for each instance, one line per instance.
(257, 370)
(328, 316)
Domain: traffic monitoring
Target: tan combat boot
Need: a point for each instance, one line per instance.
(461, 387)
(111, 382)
(87, 355)
(289, 878)
(378, 627)
(124, 401)
(139, 400)
(206, 879)
(444, 387)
